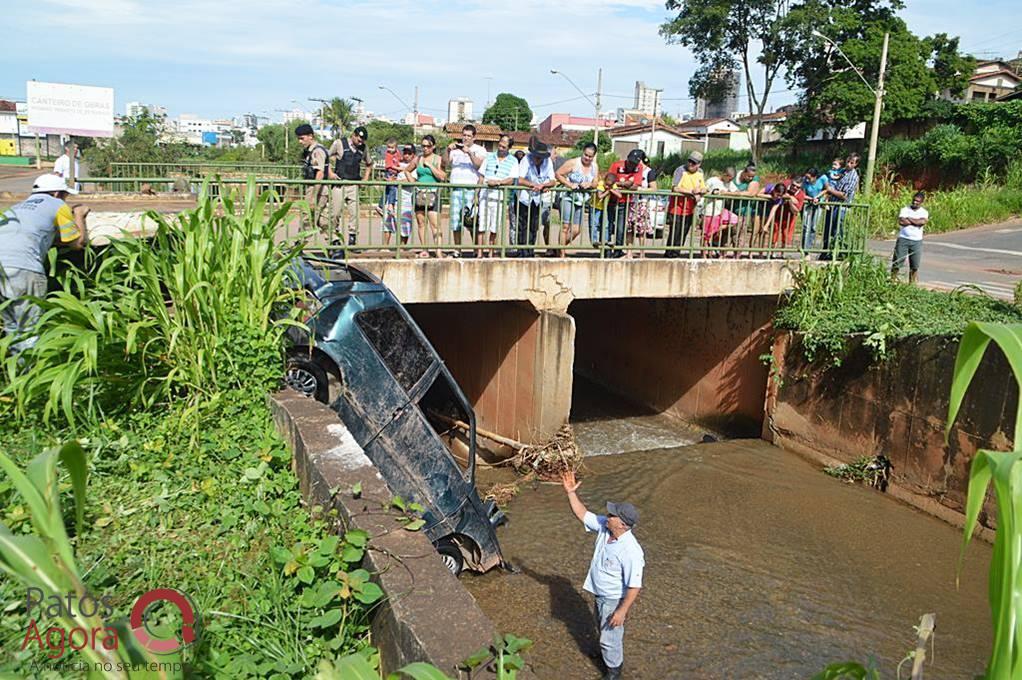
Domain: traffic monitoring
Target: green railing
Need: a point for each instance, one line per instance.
(193, 172)
(366, 219)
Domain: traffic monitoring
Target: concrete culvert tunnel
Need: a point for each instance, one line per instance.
(528, 371)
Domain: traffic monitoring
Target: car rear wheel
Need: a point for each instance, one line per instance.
(451, 556)
(308, 378)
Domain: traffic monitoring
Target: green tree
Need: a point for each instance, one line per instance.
(726, 35)
(272, 139)
(339, 115)
(143, 139)
(510, 112)
(834, 96)
(380, 130)
(602, 146)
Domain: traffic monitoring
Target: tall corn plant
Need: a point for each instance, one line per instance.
(200, 307)
(45, 559)
(1004, 469)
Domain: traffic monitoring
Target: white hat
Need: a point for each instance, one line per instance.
(51, 182)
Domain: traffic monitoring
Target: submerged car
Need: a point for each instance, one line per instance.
(367, 359)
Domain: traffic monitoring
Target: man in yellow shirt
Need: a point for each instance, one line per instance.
(689, 186)
(27, 231)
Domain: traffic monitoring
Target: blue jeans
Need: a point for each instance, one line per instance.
(833, 229)
(598, 231)
(810, 216)
(617, 221)
(612, 640)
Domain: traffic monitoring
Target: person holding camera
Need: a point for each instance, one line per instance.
(463, 159)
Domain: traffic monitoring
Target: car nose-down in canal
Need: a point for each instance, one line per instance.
(365, 357)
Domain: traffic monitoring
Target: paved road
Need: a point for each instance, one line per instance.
(988, 257)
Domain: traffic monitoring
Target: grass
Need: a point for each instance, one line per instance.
(211, 508)
(157, 361)
(829, 304)
(950, 209)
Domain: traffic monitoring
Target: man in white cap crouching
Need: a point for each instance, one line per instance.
(615, 573)
(27, 231)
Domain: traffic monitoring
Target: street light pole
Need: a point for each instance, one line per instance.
(878, 104)
(875, 129)
(596, 104)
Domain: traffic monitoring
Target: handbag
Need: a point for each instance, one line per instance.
(425, 199)
(469, 217)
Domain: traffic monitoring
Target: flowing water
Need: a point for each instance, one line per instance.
(757, 565)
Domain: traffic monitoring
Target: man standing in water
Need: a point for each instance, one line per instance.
(615, 573)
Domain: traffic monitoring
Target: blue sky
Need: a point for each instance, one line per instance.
(228, 58)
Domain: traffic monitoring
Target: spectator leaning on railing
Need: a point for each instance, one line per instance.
(841, 191)
(499, 169)
(689, 186)
(536, 176)
(625, 176)
(578, 175)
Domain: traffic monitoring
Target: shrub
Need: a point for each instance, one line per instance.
(199, 308)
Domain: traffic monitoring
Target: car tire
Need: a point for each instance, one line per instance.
(451, 556)
(308, 378)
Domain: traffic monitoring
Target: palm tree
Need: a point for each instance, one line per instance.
(339, 114)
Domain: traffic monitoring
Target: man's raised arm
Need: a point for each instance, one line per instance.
(571, 486)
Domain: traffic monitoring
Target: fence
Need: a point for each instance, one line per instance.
(194, 172)
(347, 218)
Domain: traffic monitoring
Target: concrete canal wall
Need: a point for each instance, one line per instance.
(426, 614)
(897, 407)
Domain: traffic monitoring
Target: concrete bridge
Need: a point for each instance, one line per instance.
(679, 336)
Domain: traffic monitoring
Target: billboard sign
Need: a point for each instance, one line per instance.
(58, 108)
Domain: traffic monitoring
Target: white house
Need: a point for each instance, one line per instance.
(663, 141)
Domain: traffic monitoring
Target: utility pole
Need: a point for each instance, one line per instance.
(874, 131)
(286, 135)
(599, 86)
(489, 80)
(71, 153)
(415, 107)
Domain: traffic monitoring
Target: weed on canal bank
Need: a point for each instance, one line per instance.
(857, 297)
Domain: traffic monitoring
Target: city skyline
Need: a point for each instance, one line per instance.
(200, 59)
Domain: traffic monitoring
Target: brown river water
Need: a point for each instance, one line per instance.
(757, 565)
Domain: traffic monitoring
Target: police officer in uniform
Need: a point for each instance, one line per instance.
(347, 156)
(314, 167)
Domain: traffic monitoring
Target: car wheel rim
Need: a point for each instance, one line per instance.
(450, 563)
(301, 381)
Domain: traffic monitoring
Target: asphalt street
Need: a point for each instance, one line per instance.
(988, 257)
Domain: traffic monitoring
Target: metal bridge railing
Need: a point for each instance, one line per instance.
(378, 218)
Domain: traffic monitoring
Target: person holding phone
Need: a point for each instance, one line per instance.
(463, 159)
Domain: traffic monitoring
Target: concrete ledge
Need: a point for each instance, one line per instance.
(554, 283)
(427, 615)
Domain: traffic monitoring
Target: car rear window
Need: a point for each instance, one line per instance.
(397, 343)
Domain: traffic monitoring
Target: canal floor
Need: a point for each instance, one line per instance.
(757, 566)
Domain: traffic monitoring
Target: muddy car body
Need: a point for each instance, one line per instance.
(367, 359)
